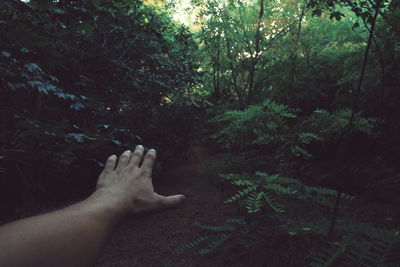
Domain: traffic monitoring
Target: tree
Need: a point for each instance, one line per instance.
(80, 79)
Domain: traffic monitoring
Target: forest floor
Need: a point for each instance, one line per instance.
(153, 240)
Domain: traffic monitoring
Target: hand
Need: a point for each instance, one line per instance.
(129, 185)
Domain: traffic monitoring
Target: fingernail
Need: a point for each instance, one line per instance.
(152, 150)
(139, 147)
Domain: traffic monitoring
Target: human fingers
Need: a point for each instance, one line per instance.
(136, 157)
(123, 160)
(148, 162)
(110, 163)
(109, 167)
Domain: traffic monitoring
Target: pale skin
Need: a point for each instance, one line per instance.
(74, 236)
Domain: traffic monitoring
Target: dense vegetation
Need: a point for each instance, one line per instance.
(80, 80)
(301, 97)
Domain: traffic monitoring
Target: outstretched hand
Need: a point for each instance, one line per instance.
(128, 183)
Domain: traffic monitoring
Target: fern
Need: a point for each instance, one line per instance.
(266, 123)
(276, 178)
(241, 194)
(274, 203)
(362, 244)
(254, 202)
(367, 230)
(307, 138)
(330, 125)
(228, 227)
(329, 254)
(319, 191)
(352, 251)
(368, 253)
(281, 189)
(193, 243)
(217, 237)
(214, 243)
(257, 192)
(261, 186)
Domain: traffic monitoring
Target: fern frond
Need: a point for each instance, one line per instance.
(368, 253)
(254, 202)
(193, 243)
(390, 236)
(241, 194)
(329, 253)
(276, 178)
(281, 189)
(228, 227)
(242, 182)
(307, 138)
(273, 203)
(321, 191)
(216, 242)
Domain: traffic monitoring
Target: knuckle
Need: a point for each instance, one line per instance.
(108, 170)
(100, 184)
(146, 172)
(105, 173)
(125, 156)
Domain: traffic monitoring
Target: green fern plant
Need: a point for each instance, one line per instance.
(264, 190)
(282, 129)
(331, 125)
(353, 251)
(329, 253)
(355, 243)
(217, 236)
(259, 190)
(266, 123)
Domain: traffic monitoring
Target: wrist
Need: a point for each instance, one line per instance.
(106, 205)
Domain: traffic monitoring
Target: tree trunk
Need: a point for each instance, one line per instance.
(256, 56)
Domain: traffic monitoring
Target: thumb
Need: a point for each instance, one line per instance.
(171, 202)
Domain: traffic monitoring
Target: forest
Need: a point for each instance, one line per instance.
(279, 119)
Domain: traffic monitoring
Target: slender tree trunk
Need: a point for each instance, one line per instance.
(234, 74)
(215, 63)
(218, 66)
(364, 64)
(256, 56)
(294, 55)
(239, 92)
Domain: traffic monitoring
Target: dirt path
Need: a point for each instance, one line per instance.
(152, 241)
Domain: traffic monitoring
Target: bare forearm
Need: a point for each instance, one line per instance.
(75, 235)
(72, 236)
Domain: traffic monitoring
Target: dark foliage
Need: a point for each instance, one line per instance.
(81, 80)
